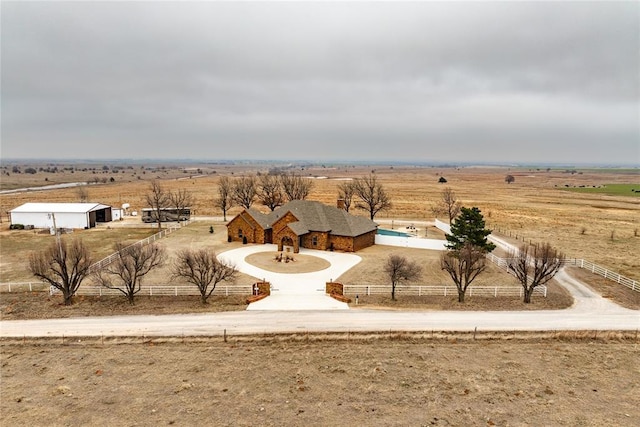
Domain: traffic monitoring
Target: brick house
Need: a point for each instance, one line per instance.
(303, 223)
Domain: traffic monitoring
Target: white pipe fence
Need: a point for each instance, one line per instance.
(23, 287)
(601, 271)
(111, 258)
(502, 263)
(174, 290)
(486, 291)
(582, 263)
(165, 290)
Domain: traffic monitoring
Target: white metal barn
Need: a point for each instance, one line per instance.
(66, 215)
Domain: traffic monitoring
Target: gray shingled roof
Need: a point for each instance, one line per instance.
(298, 228)
(315, 216)
(260, 218)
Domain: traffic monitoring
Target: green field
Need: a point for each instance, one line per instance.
(611, 189)
(610, 170)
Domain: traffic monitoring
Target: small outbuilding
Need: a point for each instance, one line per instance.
(65, 215)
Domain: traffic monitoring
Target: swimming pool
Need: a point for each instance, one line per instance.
(385, 232)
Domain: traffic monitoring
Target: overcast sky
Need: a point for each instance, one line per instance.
(420, 81)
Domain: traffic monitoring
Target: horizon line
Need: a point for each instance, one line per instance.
(440, 163)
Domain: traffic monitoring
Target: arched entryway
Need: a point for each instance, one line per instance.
(287, 241)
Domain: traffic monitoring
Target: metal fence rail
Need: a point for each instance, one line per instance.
(486, 291)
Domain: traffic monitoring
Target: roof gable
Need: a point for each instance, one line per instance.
(316, 216)
(298, 228)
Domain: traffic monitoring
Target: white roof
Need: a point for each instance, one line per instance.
(59, 207)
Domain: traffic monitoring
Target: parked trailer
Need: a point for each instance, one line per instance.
(166, 214)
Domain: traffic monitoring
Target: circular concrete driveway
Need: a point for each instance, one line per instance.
(301, 291)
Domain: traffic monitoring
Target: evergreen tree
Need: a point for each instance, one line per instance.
(469, 227)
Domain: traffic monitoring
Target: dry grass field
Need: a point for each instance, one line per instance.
(372, 381)
(534, 208)
(196, 235)
(366, 380)
(18, 244)
(537, 207)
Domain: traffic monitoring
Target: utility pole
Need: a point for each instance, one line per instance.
(62, 260)
(55, 230)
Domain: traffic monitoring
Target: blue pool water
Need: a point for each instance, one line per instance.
(385, 232)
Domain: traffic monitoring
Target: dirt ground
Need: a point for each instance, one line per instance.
(39, 305)
(373, 382)
(298, 263)
(607, 288)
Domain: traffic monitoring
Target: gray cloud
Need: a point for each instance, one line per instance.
(535, 82)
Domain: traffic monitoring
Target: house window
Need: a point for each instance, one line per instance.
(240, 233)
(314, 240)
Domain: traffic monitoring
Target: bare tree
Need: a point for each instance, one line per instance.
(400, 269)
(270, 191)
(63, 266)
(345, 192)
(509, 179)
(373, 197)
(181, 200)
(295, 187)
(132, 263)
(157, 199)
(83, 193)
(203, 269)
(534, 266)
(225, 195)
(463, 266)
(245, 191)
(448, 204)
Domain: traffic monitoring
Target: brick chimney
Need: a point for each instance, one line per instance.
(340, 204)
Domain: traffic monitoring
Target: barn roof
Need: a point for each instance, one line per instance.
(33, 207)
